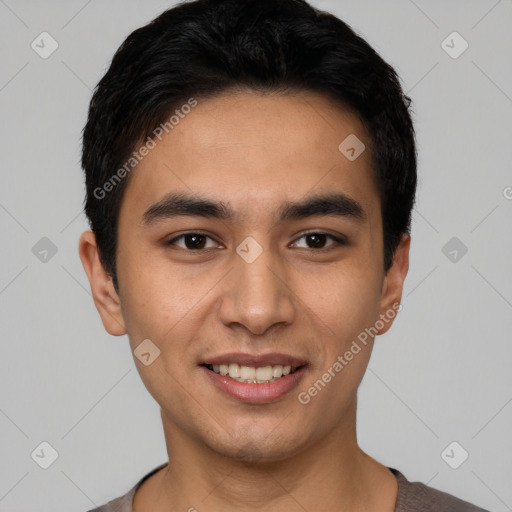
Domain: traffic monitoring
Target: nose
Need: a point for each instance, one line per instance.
(257, 295)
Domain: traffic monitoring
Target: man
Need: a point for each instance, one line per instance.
(251, 170)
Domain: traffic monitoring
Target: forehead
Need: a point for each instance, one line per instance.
(256, 152)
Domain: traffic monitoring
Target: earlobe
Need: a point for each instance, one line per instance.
(393, 283)
(105, 297)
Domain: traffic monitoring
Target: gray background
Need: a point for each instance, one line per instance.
(442, 373)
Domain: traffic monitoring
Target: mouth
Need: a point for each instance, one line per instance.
(252, 374)
(255, 379)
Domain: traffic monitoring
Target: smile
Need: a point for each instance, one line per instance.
(251, 374)
(261, 385)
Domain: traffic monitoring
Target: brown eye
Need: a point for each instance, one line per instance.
(192, 241)
(317, 241)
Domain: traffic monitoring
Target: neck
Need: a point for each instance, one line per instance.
(332, 474)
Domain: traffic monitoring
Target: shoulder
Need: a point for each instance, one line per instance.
(416, 496)
(121, 504)
(124, 503)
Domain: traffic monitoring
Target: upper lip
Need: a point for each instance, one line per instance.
(256, 360)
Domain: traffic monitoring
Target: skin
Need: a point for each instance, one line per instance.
(254, 152)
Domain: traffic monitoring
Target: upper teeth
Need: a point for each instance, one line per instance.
(251, 373)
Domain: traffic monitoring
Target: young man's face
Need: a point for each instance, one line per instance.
(252, 283)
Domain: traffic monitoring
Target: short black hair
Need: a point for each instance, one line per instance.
(204, 48)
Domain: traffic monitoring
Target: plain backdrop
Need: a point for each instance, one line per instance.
(441, 375)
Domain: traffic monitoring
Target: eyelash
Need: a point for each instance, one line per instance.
(339, 241)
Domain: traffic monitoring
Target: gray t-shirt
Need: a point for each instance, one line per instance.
(412, 497)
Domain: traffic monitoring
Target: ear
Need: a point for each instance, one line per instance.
(103, 292)
(394, 281)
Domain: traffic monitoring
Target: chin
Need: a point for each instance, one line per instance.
(253, 448)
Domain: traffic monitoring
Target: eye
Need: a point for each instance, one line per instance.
(192, 241)
(316, 241)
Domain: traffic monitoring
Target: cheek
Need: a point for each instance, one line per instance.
(343, 310)
(154, 294)
(345, 299)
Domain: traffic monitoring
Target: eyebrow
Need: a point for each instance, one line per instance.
(182, 204)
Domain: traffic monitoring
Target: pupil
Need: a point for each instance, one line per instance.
(198, 241)
(195, 244)
(317, 240)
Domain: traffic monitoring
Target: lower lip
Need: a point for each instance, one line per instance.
(256, 393)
